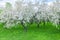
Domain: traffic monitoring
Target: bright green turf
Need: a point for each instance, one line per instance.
(46, 32)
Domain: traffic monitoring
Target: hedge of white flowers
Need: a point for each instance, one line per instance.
(29, 12)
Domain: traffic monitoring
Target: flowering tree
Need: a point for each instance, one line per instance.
(29, 12)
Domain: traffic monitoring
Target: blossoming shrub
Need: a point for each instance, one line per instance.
(29, 12)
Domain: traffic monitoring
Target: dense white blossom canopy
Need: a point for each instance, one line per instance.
(26, 11)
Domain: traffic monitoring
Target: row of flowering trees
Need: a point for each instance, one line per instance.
(29, 12)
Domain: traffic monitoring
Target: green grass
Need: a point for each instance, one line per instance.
(45, 32)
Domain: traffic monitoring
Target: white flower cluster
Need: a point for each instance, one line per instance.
(27, 12)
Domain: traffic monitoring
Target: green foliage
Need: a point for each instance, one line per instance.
(8, 5)
(1, 10)
(45, 32)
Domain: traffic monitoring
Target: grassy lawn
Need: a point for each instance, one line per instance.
(46, 32)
